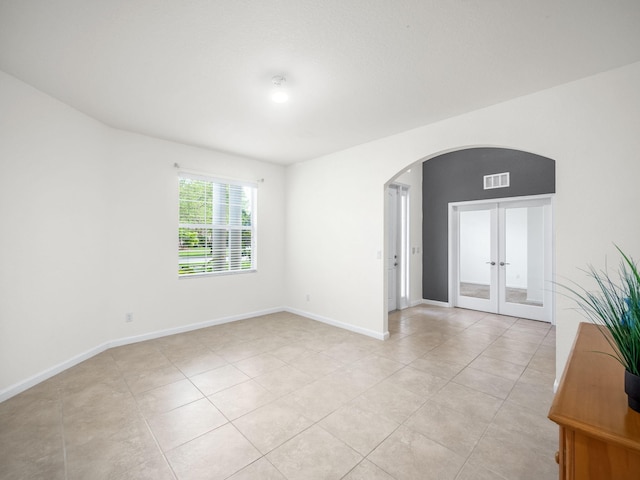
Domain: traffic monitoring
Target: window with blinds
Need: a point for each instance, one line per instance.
(216, 232)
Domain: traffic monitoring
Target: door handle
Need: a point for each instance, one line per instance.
(490, 263)
(502, 264)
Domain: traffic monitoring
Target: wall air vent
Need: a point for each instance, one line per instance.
(497, 180)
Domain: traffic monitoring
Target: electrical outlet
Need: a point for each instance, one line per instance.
(128, 318)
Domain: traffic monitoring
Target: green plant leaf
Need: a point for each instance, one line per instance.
(615, 307)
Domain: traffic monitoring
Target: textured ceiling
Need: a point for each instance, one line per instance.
(199, 71)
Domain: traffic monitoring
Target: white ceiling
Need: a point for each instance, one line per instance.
(199, 71)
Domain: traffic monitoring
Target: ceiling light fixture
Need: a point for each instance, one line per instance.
(279, 93)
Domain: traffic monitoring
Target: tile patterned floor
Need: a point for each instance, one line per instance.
(453, 394)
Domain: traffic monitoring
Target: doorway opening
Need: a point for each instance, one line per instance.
(501, 256)
(397, 261)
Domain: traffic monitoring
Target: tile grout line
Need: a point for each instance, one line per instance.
(370, 351)
(62, 431)
(403, 423)
(484, 431)
(144, 419)
(503, 401)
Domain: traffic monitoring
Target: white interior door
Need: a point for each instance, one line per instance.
(502, 257)
(397, 246)
(392, 249)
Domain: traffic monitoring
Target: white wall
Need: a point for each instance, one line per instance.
(89, 232)
(333, 254)
(143, 238)
(335, 206)
(52, 208)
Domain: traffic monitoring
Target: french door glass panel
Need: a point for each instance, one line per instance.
(525, 259)
(475, 253)
(524, 255)
(477, 287)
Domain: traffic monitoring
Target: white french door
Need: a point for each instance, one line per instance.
(502, 257)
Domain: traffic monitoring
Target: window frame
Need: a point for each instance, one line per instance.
(210, 224)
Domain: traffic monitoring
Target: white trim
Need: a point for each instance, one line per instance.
(553, 258)
(336, 323)
(503, 200)
(503, 180)
(436, 303)
(399, 184)
(452, 260)
(20, 387)
(398, 228)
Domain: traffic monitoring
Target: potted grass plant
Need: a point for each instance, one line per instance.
(615, 307)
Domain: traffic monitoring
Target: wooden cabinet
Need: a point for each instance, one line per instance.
(599, 433)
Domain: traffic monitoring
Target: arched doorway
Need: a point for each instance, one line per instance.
(460, 178)
(403, 241)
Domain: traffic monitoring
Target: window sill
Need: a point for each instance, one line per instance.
(217, 274)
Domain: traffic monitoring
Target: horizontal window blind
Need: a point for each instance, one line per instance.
(216, 232)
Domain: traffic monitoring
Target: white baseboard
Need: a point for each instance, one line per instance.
(23, 385)
(190, 327)
(20, 387)
(336, 323)
(436, 303)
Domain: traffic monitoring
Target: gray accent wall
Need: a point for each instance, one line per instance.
(458, 177)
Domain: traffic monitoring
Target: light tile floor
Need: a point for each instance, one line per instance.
(453, 394)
